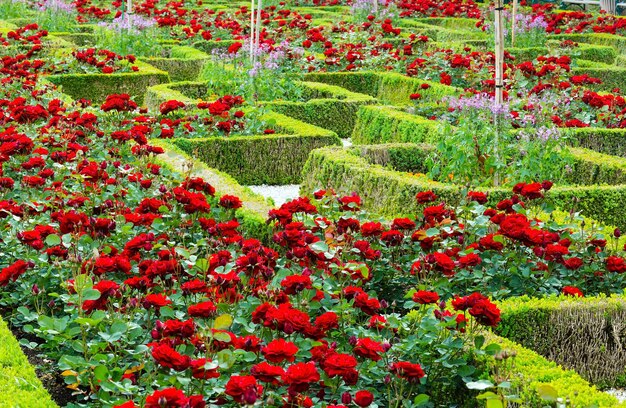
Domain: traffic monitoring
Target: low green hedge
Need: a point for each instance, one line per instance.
(612, 76)
(214, 45)
(77, 38)
(609, 141)
(389, 87)
(590, 52)
(616, 41)
(19, 385)
(584, 334)
(392, 193)
(384, 124)
(189, 92)
(536, 375)
(183, 63)
(327, 106)
(268, 159)
(97, 86)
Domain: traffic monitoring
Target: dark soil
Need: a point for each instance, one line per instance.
(47, 373)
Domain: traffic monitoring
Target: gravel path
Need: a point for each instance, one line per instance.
(619, 394)
(280, 194)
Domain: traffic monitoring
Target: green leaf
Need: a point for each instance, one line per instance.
(101, 373)
(221, 336)
(90, 294)
(494, 403)
(487, 395)
(479, 341)
(53, 240)
(319, 246)
(547, 392)
(226, 359)
(480, 385)
(223, 322)
(420, 400)
(432, 232)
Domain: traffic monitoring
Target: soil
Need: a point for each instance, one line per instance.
(47, 373)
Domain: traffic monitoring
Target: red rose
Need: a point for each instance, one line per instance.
(167, 357)
(267, 373)
(425, 197)
(169, 397)
(572, 291)
(230, 201)
(409, 371)
(363, 398)
(203, 309)
(424, 297)
(279, 350)
(243, 389)
(300, 376)
(368, 348)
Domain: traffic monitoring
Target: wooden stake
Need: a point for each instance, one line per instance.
(499, 51)
(257, 40)
(251, 31)
(514, 19)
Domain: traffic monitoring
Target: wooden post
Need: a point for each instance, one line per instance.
(499, 54)
(251, 31)
(257, 40)
(514, 21)
(499, 51)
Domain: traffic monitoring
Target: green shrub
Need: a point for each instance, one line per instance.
(611, 76)
(609, 141)
(19, 385)
(392, 193)
(97, 86)
(183, 63)
(209, 46)
(326, 106)
(615, 41)
(534, 374)
(582, 334)
(589, 52)
(389, 87)
(384, 124)
(268, 159)
(186, 91)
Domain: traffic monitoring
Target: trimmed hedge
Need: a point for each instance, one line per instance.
(19, 385)
(269, 159)
(188, 92)
(616, 41)
(609, 141)
(97, 86)
(392, 193)
(389, 87)
(183, 63)
(588, 334)
(532, 373)
(589, 52)
(611, 76)
(323, 105)
(384, 124)
(209, 46)
(326, 106)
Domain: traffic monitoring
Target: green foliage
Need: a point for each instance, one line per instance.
(19, 384)
(142, 43)
(97, 86)
(269, 159)
(583, 334)
(590, 52)
(612, 76)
